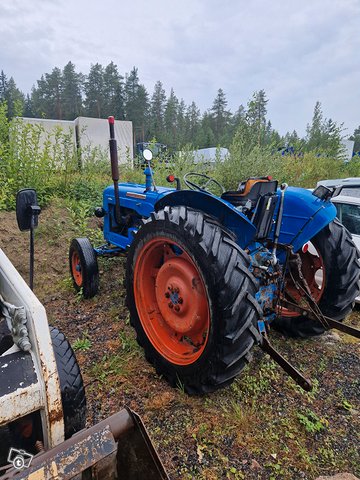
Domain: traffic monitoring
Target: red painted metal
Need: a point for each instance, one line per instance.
(172, 301)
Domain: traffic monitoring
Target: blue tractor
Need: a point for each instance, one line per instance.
(207, 275)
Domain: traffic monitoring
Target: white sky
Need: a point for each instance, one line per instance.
(298, 52)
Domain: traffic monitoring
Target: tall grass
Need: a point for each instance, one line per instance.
(49, 162)
(34, 158)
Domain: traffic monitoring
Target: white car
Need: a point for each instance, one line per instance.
(348, 212)
(351, 186)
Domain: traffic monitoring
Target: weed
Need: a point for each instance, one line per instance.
(109, 366)
(66, 284)
(80, 295)
(346, 405)
(312, 422)
(180, 386)
(128, 342)
(83, 343)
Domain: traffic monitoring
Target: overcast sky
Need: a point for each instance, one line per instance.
(298, 52)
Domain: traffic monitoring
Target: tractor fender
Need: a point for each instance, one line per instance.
(304, 217)
(226, 214)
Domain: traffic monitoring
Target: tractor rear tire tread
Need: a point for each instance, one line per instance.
(231, 290)
(342, 270)
(71, 384)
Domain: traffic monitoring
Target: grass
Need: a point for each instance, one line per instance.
(82, 344)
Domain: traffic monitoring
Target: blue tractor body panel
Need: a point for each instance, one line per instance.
(227, 215)
(304, 214)
(303, 217)
(133, 196)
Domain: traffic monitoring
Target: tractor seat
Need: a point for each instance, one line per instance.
(252, 189)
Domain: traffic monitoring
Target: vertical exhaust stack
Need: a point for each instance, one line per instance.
(114, 167)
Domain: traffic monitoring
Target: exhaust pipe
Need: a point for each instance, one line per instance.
(114, 168)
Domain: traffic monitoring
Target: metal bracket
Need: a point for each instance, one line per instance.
(304, 383)
(330, 321)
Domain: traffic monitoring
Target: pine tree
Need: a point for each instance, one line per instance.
(28, 107)
(10, 94)
(220, 117)
(136, 104)
(113, 92)
(157, 109)
(71, 92)
(47, 96)
(256, 115)
(356, 138)
(14, 98)
(3, 85)
(181, 135)
(324, 135)
(315, 131)
(94, 91)
(192, 124)
(55, 85)
(206, 136)
(170, 120)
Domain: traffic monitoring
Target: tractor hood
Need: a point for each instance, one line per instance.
(135, 197)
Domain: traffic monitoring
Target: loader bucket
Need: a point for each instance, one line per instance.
(116, 448)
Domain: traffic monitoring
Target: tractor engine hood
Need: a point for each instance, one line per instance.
(135, 197)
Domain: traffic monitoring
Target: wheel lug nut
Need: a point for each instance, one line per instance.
(167, 294)
(170, 305)
(177, 308)
(180, 300)
(177, 290)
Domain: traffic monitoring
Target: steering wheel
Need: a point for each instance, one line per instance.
(203, 185)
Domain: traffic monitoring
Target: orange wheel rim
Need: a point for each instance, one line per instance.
(313, 270)
(76, 269)
(171, 300)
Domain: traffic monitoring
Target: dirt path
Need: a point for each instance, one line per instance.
(261, 427)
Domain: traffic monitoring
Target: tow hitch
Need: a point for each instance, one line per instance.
(327, 322)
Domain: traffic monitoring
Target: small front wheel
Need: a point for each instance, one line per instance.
(84, 267)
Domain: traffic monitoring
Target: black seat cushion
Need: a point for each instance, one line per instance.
(259, 188)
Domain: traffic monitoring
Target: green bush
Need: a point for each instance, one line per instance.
(49, 162)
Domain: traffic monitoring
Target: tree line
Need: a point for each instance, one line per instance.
(65, 94)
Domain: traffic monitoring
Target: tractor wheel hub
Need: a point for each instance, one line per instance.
(179, 295)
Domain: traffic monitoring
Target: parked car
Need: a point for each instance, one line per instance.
(351, 186)
(348, 212)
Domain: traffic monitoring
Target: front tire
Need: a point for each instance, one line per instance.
(191, 299)
(339, 258)
(84, 267)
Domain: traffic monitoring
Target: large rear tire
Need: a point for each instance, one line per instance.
(339, 259)
(191, 299)
(71, 384)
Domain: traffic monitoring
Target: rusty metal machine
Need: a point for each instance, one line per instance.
(42, 396)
